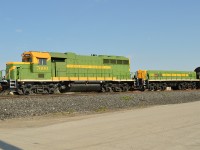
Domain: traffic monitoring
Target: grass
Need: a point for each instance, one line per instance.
(126, 98)
(101, 109)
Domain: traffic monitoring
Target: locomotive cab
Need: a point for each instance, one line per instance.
(141, 77)
(26, 58)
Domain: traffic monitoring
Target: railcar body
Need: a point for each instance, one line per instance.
(47, 72)
(160, 80)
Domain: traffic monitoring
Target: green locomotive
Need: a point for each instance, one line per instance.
(160, 80)
(48, 72)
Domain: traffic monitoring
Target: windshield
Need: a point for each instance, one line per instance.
(26, 59)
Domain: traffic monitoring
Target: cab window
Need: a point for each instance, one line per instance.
(42, 61)
(27, 59)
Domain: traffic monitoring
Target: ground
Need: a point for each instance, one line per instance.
(173, 127)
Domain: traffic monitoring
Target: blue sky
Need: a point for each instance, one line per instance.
(155, 34)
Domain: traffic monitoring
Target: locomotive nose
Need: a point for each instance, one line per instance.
(197, 70)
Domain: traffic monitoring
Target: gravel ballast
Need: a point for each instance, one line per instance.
(29, 106)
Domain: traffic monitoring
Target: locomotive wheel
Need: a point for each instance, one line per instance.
(186, 86)
(103, 89)
(120, 89)
(193, 86)
(151, 87)
(27, 89)
(155, 87)
(125, 88)
(106, 89)
(180, 87)
(51, 91)
(159, 88)
(141, 88)
(117, 89)
(163, 87)
(110, 89)
(189, 85)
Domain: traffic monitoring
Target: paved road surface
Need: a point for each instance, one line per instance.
(170, 127)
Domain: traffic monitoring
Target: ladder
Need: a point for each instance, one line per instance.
(13, 84)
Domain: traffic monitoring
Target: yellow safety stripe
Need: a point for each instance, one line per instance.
(88, 67)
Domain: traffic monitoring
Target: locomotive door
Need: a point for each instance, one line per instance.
(53, 69)
(18, 73)
(60, 69)
(58, 66)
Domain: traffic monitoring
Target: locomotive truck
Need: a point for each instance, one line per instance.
(50, 72)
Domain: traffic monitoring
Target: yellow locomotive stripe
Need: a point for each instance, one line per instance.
(175, 75)
(18, 63)
(88, 67)
(11, 68)
(170, 75)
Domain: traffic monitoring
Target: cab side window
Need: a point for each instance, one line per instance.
(42, 61)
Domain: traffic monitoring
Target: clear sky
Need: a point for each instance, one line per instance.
(155, 34)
